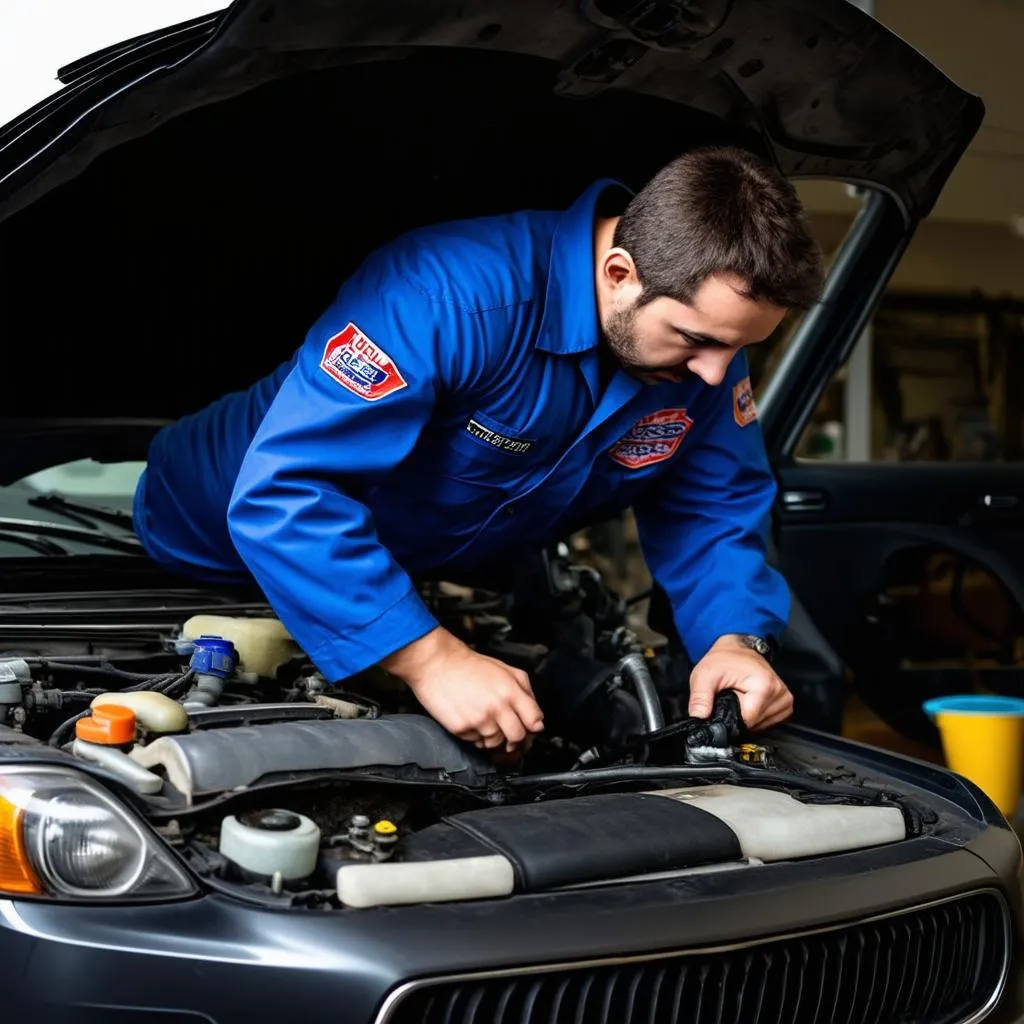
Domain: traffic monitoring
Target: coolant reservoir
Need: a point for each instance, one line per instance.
(155, 712)
(262, 645)
(271, 841)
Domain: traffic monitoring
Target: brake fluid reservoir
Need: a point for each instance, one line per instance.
(270, 841)
(262, 645)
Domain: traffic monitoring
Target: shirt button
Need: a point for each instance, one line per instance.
(511, 510)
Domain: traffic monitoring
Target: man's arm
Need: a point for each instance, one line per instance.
(365, 383)
(703, 529)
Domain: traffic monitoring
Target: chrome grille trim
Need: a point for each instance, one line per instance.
(391, 1004)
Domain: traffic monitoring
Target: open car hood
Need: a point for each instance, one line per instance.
(825, 89)
(173, 220)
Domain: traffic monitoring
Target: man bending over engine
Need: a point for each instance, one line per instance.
(481, 385)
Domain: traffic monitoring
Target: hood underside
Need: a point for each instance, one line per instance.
(217, 184)
(827, 89)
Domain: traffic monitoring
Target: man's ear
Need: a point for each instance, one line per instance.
(617, 268)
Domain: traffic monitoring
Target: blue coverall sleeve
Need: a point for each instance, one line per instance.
(345, 416)
(703, 526)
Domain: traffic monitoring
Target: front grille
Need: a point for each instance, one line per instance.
(939, 964)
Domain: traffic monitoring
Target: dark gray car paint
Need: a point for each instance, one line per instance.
(237, 964)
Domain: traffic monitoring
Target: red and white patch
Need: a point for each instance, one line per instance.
(652, 439)
(743, 409)
(358, 364)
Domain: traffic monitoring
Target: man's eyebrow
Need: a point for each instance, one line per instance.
(710, 340)
(704, 339)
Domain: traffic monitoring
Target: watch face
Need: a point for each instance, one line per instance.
(761, 646)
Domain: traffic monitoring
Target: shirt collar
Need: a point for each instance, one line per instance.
(570, 322)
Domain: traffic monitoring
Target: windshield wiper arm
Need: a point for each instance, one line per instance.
(40, 544)
(82, 511)
(84, 535)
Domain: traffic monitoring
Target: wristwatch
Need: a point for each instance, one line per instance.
(765, 646)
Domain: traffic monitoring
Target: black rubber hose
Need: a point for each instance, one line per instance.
(177, 686)
(103, 669)
(63, 731)
(634, 668)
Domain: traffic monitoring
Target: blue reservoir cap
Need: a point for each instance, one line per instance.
(213, 656)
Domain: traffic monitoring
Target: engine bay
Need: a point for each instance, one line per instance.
(277, 785)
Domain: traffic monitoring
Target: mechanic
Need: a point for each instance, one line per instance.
(500, 381)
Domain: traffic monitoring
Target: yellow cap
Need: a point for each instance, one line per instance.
(385, 828)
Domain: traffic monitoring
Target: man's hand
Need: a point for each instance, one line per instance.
(729, 665)
(479, 699)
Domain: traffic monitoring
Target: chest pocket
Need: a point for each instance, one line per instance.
(484, 452)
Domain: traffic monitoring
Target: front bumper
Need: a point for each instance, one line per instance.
(215, 959)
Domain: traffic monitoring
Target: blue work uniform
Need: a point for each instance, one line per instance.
(447, 410)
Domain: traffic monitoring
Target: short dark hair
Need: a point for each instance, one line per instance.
(721, 210)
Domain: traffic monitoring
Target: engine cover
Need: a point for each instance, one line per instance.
(208, 762)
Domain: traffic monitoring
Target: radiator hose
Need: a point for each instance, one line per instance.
(633, 668)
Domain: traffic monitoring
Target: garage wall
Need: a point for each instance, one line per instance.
(948, 256)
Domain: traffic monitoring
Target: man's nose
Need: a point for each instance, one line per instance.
(711, 368)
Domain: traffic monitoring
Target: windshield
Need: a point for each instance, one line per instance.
(112, 483)
(79, 507)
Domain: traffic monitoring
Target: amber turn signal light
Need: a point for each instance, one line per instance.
(16, 874)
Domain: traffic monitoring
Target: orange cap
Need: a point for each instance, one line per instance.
(109, 724)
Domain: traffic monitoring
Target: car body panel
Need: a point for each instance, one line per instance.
(144, 955)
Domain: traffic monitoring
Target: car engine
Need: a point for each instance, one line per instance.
(278, 785)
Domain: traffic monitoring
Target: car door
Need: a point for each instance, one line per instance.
(911, 571)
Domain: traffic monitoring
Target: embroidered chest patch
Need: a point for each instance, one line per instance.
(744, 410)
(358, 364)
(652, 439)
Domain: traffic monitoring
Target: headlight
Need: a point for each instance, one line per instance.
(61, 835)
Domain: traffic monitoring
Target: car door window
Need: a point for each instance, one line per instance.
(902, 529)
(946, 384)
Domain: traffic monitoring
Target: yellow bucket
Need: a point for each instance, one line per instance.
(983, 740)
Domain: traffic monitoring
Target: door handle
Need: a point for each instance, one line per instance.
(804, 501)
(999, 501)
